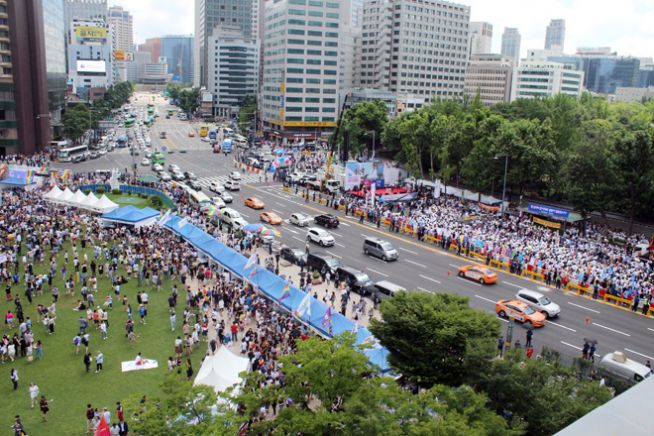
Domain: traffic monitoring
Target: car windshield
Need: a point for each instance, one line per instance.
(528, 310)
(298, 253)
(387, 246)
(544, 301)
(362, 277)
(332, 262)
(300, 216)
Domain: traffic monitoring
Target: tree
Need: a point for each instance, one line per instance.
(181, 404)
(545, 394)
(361, 119)
(435, 338)
(173, 90)
(247, 112)
(189, 99)
(76, 121)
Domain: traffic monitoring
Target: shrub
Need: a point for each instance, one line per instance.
(86, 191)
(99, 191)
(116, 192)
(156, 201)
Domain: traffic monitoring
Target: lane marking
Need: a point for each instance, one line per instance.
(337, 234)
(415, 263)
(292, 231)
(279, 204)
(408, 251)
(583, 307)
(298, 239)
(453, 266)
(377, 272)
(562, 326)
(650, 329)
(276, 211)
(246, 216)
(430, 279)
(640, 354)
(613, 330)
(340, 245)
(485, 299)
(512, 284)
(365, 236)
(420, 288)
(345, 224)
(333, 254)
(570, 345)
(469, 281)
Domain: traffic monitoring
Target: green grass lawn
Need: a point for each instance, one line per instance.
(61, 375)
(131, 200)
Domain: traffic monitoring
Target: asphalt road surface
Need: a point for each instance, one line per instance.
(420, 266)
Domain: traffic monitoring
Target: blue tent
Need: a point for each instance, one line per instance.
(130, 214)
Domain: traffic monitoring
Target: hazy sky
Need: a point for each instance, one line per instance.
(627, 26)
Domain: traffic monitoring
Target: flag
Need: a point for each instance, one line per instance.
(304, 307)
(355, 329)
(103, 428)
(253, 272)
(77, 277)
(182, 223)
(29, 176)
(327, 320)
(164, 219)
(251, 261)
(286, 292)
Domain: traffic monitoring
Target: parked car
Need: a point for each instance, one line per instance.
(296, 256)
(145, 162)
(326, 220)
(157, 168)
(178, 176)
(320, 261)
(386, 289)
(190, 175)
(356, 280)
(320, 237)
(218, 202)
(195, 184)
(539, 302)
(299, 220)
(173, 167)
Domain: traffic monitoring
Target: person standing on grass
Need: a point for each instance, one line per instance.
(90, 414)
(143, 312)
(99, 360)
(13, 376)
(19, 429)
(103, 330)
(45, 408)
(173, 320)
(34, 394)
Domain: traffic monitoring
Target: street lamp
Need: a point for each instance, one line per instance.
(373, 142)
(506, 170)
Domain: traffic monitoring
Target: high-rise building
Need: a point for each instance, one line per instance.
(210, 14)
(122, 33)
(511, 44)
(356, 13)
(84, 10)
(90, 56)
(152, 46)
(301, 70)
(54, 34)
(555, 35)
(417, 48)
(481, 37)
(178, 51)
(24, 124)
(538, 77)
(234, 72)
(489, 76)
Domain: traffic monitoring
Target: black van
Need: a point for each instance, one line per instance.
(318, 261)
(356, 280)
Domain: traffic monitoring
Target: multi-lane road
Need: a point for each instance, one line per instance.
(420, 265)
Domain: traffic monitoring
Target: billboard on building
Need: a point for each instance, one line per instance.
(119, 55)
(93, 34)
(91, 67)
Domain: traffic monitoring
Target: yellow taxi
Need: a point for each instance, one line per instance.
(520, 312)
(478, 273)
(254, 203)
(270, 217)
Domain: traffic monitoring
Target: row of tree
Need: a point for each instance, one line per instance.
(441, 346)
(80, 118)
(598, 156)
(188, 99)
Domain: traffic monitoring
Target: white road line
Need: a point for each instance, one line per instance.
(613, 330)
(512, 284)
(583, 307)
(430, 279)
(377, 272)
(469, 281)
(420, 288)
(484, 298)
(337, 234)
(452, 265)
(408, 251)
(415, 263)
(365, 236)
(280, 204)
(570, 345)
(562, 326)
(502, 319)
(340, 245)
(298, 239)
(292, 231)
(333, 254)
(640, 354)
(276, 211)
(650, 329)
(345, 224)
(246, 216)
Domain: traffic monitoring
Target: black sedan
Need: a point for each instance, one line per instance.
(296, 256)
(327, 220)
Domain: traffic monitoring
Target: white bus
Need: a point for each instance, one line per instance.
(73, 154)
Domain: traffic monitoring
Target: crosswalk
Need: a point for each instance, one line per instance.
(205, 182)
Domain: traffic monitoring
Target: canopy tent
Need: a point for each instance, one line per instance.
(66, 196)
(132, 216)
(77, 198)
(89, 202)
(104, 205)
(274, 286)
(221, 371)
(53, 194)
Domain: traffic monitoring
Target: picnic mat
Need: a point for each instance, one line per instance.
(131, 365)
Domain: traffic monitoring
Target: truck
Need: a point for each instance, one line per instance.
(227, 146)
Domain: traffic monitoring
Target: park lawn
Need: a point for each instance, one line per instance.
(131, 200)
(61, 375)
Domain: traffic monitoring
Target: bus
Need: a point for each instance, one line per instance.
(227, 146)
(213, 133)
(158, 158)
(204, 131)
(171, 112)
(150, 110)
(121, 141)
(73, 154)
(129, 122)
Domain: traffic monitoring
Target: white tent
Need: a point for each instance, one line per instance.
(104, 205)
(53, 194)
(221, 370)
(66, 196)
(78, 198)
(89, 202)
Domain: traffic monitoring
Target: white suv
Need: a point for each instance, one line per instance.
(216, 187)
(232, 185)
(320, 237)
(539, 302)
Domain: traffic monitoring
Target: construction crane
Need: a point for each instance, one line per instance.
(332, 145)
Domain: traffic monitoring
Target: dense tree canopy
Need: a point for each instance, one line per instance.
(360, 121)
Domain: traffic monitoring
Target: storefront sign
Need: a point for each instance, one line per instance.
(554, 212)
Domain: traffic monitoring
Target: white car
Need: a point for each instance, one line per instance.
(235, 175)
(165, 177)
(539, 302)
(145, 162)
(174, 168)
(205, 139)
(157, 168)
(232, 185)
(216, 187)
(299, 220)
(320, 236)
(218, 202)
(238, 223)
(227, 197)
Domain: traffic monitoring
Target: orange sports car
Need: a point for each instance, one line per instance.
(478, 273)
(271, 218)
(254, 203)
(520, 312)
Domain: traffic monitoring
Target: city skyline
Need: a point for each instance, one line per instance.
(588, 22)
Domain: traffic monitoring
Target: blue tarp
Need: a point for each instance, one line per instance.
(131, 214)
(14, 182)
(272, 286)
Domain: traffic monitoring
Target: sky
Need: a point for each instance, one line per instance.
(626, 25)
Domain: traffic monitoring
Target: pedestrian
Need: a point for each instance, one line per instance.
(99, 360)
(19, 429)
(13, 376)
(87, 361)
(45, 408)
(500, 345)
(584, 350)
(143, 312)
(530, 335)
(34, 394)
(173, 320)
(90, 414)
(119, 411)
(530, 352)
(591, 352)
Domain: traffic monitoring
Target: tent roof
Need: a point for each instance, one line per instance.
(221, 370)
(78, 197)
(66, 196)
(130, 214)
(54, 193)
(90, 200)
